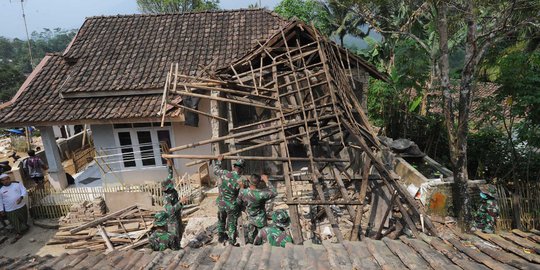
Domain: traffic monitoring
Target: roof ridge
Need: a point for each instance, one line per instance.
(186, 13)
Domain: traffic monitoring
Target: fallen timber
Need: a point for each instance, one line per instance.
(302, 95)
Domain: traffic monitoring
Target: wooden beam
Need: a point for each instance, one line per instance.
(357, 225)
(229, 100)
(321, 202)
(101, 220)
(197, 111)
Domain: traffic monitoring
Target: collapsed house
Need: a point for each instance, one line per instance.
(292, 107)
(268, 90)
(111, 78)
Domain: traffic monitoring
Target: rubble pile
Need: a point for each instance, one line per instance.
(124, 229)
(86, 211)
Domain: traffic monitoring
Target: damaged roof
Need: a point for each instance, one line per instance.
(464, 252)
(116, 66)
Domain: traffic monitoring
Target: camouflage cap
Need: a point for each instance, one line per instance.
(489, 190)
(281, 218)
(167, 185)
(160, 218)
(239, 163)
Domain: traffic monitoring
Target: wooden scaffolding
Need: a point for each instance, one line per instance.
(292, 101)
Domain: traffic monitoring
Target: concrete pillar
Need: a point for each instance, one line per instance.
(57, 175)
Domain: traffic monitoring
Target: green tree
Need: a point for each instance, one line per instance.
(309, 11)
(15, 62)
(176, 6)
(10, 80)
(340, 21)
(438, 27)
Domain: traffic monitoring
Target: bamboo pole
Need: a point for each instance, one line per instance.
(357, 225)
(230, 100)
(288, 125)
(199, 112)
(284, 159)
(296, 228)
(224, 90)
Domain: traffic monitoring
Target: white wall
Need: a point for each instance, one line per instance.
(186, 134)
(104, 138)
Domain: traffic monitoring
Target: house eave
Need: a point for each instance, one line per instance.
(179, 119)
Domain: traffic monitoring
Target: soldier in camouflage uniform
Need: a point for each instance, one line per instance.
(169, 192)
(276, 235)
(229, 186)
(485, 218)
(160, 239)
(174, 220)
(253, 200)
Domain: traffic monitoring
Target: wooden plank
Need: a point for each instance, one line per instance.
(360, 256)
(522, 242)
(136, 244)
(296, 228)
(265, 256)
(383, 255)
(456, 257)
(357, 225)
(408, 256)
(101, 220)
(496, 252)
(174, 264)
(478, 255)
(509, 246)
(105, 237)
(223, 258)
(337, 256)
(343, 191)
(530, 236)
(434, 258)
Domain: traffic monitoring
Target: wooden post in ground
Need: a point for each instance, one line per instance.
(296, 228)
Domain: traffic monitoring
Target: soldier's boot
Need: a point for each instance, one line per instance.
(222, 237)
(233, 243)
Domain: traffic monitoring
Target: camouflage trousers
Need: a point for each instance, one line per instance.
(251, 233)
(485, 223)
(228, 218)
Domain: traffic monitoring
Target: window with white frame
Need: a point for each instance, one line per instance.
(139, 143)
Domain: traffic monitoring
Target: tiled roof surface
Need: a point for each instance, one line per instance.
(132, 52)
(114, 53)
(469, 252)
(482, 92)
(41, 102)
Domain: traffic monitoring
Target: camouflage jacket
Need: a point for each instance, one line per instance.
(160, 241)
(229, 186)
(488, 207)
(172, 194)
(254, 201)
(273, 235)
(175, 217)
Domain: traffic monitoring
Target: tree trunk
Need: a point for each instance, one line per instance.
(444, 80)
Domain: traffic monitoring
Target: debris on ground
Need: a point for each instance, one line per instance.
(121, 230)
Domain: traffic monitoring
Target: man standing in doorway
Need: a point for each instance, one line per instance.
(13, 206)
(34, 166)
(229, 186)
(254, 200)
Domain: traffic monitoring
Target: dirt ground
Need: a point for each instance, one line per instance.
(33, 243)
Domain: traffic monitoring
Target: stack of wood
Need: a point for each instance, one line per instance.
(124, 229)
(86, 211)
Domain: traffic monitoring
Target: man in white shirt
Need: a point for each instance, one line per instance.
(13, 206)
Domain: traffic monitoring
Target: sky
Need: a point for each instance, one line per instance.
(70, 14)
